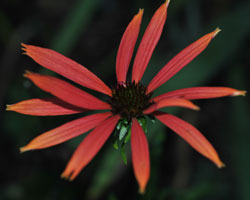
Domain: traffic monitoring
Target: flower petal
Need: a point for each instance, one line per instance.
(181, 60)
(66, 92)
(89, 147)
(200, 93)
(191, 135)
(66, 67)
(126, 47)
(149, 41)
(65, 132)
(170, 103)
(44, 107)
(140, 155)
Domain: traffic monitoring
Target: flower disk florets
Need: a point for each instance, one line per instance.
(130, 99)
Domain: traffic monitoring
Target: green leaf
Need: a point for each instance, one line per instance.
(123, 153)
(115, 144)
(128, 135)
(123, 131)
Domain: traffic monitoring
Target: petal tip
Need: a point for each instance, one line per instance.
(221, 165)
(27, 73)
(167, 2)
(197, 108)
(216, 31)
(140, 12)
(142, 191)
(67, 176)
(23, 149)
(8, 107)
(239, 93)
(24, 46)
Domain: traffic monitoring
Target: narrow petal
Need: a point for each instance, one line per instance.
(181, 60)
(191, 135)
(200, 93)
(126, 47)
(66, 67)
(44, 107)
(65, 132)
(140, 155)
(170, 103)
(89, 147)
(149, 41)
(66, 92)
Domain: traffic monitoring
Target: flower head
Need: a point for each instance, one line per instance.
(128, 104)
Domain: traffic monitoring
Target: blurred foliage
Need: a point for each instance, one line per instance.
(89, 32)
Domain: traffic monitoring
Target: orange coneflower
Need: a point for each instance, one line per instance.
(129, 102)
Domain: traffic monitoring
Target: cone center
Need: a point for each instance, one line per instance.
(129, 100)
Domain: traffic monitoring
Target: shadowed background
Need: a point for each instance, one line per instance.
(89, 32)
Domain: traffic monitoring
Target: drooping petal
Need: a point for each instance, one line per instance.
(140, 155)
(126, 47)
(181, 60)
(89, 147)
(44, 107)
(66, 67)
(65, 132)
(149, 41)
(172, 102)
(191, 135)
(66, 92)
(200, 93)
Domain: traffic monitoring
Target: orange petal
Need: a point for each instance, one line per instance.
(66, 92)
(191, 135)
(140, 155)
(170, 103)
(149, 41)
(181, 60)
(65, 132)
(126, 47)
(89, 147)
(200, 93)
(44, 107)
(66, 67)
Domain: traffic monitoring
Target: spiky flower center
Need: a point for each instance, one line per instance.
(129, 100)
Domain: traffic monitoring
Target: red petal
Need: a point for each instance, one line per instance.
(89, 147)
(170, 103)
(67, 92)
(200, 93)
(192, 136)
(181, 60)
(44, 107)
(140, 155)
(66, 67)
(149, 41)
(126, 47)
(65, 132)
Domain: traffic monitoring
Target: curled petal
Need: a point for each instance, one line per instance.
(66, 92)
(170, 103)
(65, 132)
(191, 135)
(89, 147)
(181, 60)
(149, 42)
(44, 107)
(200, 93)
(126, 47)
(140, 155)
(66, 67)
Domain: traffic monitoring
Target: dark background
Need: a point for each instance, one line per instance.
(89, 32)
